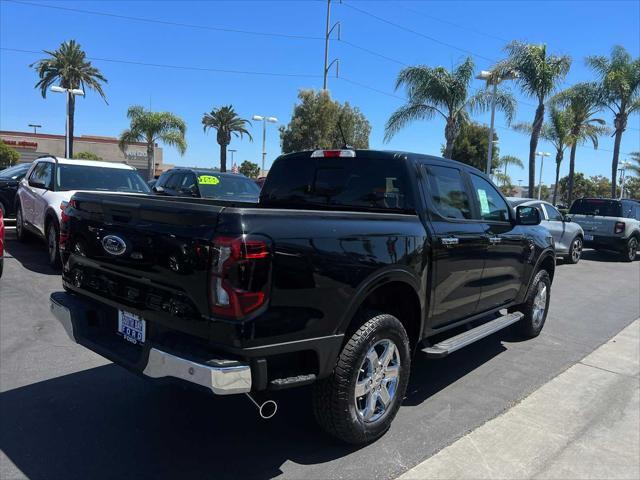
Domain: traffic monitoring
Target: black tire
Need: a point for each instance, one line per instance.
(21, 233)
(3, 209)
(531, 324)
(334, 398)
(53, 244)
(631, 250)
(575, 251)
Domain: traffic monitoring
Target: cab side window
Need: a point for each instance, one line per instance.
(448, 193)
(162, 180)
(42, 174)
(493, 208)
(553, 213)
(175, 181)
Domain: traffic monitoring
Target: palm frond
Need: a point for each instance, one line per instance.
(405, 115)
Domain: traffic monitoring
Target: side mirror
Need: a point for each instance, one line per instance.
(526, 215)
(567, 218)
(159, 190)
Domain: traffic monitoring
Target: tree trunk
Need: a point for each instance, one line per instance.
(72, 114)
(572, 168)
(559, 156)
(533, 146)
(223, 157)
(150, 162)
(450, 133)
(614, 162)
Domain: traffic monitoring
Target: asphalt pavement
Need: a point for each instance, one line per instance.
(66, 413)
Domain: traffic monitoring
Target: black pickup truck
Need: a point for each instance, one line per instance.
(351, 262)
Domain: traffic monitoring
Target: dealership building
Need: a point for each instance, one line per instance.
(32, 145)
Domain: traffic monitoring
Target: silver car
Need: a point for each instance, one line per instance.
(567, 235)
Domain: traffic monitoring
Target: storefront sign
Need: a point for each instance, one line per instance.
(21, 144)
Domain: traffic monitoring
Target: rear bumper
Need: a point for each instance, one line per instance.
(221, 376)
(605, 242)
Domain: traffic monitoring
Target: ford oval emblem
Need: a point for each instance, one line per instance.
(114, 245)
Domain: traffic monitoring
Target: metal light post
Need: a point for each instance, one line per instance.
(622, 178)
(69, 91)
(542, 155)
(264, 120)
(232, 152)
(489, 77)
(35, 127)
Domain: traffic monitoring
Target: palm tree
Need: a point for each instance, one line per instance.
(151, 127)
(509, 160)
(633, 163)
(69, 67)
(538, 75)
(227, 122)
(438, 91)
(582, 101)
(620, 88)
(557, 131)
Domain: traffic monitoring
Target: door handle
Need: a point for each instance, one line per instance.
(449, 241)
(495, 240)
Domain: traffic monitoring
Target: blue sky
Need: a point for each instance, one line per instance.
(448, 32)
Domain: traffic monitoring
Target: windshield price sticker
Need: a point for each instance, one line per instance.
(208, 180)
(484, 202)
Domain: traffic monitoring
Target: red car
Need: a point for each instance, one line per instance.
(1, 242)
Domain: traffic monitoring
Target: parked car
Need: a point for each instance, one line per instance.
(9, 181)
(351, 262)
(260, 181)
(206, 183)
(51, 182)
(609, 224)
(1, 242)
(567, 235)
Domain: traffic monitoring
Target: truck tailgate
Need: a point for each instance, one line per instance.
(141, 253)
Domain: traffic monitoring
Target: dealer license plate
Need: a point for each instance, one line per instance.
(588, 238)
(132, 327)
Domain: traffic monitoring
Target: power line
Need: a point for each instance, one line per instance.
(181, 67)
(407, 29)
(166, 22)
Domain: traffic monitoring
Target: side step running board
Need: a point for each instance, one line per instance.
(452, 344)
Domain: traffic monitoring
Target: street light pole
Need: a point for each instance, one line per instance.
(68, 151)
(232, 152)
(264, 120)
(622, 178)
(542, 155)
(491, 79)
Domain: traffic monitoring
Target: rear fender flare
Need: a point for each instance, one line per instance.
(377, 280)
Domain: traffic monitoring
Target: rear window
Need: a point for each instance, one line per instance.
(228, 187)
(596, 206)
(83, 177)
(361, 182)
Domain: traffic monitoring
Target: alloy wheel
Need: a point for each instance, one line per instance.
(539, 304)
(377, 380)
(633, 248)
(52, 243)
(576, 251)
(19, 225)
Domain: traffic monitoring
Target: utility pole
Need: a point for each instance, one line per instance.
(327, 35)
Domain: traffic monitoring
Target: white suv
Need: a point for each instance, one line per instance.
(51, 182)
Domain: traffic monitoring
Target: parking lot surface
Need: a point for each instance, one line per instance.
(67, 413)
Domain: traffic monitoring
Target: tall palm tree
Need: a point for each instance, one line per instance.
(69, 67)
(227, 122)
(151, 127)
(538, 75)
(438, 91)
(582, 101)
(557, 131)
(507, 160)
(620, 85)
(633, 163)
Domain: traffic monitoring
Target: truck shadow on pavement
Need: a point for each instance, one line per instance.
(107, 423)
(32, 254)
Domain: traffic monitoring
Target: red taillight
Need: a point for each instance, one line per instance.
(64, 220)
(239, 276)
(619, 228)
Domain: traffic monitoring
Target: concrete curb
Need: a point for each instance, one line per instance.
(583, 424)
